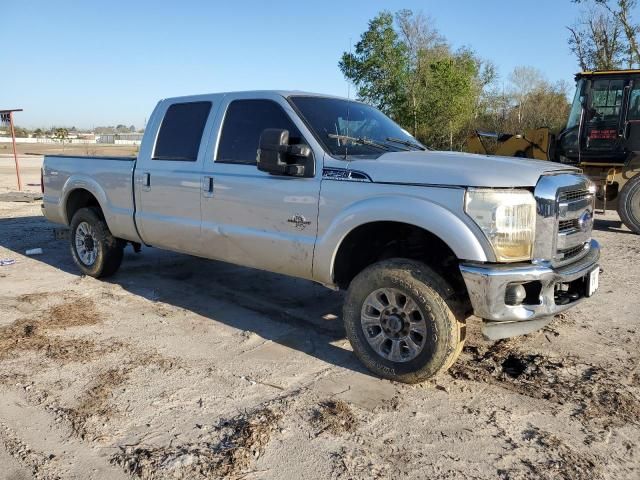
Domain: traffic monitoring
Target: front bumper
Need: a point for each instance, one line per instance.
(487, 286)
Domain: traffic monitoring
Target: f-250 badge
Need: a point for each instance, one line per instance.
(299, 221)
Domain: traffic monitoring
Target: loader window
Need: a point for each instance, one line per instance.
(606, 100)
(634, 101)
(181, 131)
(576, 106)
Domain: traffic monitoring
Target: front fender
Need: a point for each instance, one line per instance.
(463, 237)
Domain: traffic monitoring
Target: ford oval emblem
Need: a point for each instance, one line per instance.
(585, 220)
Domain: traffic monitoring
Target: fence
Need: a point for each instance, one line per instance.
(67, 141)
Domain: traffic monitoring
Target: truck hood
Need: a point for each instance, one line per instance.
(456, 169)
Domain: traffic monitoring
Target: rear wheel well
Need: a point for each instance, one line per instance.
(80, 198)
(377, 241)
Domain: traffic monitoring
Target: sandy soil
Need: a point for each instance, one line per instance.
(185, 368)
(69, 149)
(30, 157)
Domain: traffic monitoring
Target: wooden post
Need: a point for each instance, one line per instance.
(15, 155)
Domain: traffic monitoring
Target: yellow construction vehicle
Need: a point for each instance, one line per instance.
(602, 137)
(531, 144)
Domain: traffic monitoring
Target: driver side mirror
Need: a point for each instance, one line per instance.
(277, 157)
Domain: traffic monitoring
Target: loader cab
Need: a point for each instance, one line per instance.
(604, 122)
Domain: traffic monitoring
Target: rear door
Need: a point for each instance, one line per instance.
(251, 217)
(168, 177)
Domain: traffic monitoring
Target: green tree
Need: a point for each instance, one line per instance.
(406, 68)
(378, 67)
(450, 101)
(61, 135)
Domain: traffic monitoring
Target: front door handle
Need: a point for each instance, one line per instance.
(207, 186)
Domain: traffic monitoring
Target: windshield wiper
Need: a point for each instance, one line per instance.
(362, 141)
(406, 143)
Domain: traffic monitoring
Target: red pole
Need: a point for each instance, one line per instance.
(15, 155)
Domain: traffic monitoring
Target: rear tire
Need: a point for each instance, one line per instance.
(629, 204)
(94, 249)
(418, 330)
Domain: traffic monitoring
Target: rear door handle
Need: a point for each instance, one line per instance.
(207, 186)
(146, 181)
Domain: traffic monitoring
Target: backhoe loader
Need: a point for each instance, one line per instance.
(602, 137)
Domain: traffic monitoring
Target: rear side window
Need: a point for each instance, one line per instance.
(243, 124)
(181, 131)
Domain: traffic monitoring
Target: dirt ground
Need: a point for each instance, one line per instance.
(185, 368)
(69, 149)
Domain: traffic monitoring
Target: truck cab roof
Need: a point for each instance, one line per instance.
(250, 93)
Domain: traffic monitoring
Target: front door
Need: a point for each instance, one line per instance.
(250, 217)
(633, 118)
(168, 180)
(603, 131)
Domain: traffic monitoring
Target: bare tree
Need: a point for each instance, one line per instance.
(623, 14)
(526, 102)
(524, 80)
(577, 45)
(596, 40)
(610, 33)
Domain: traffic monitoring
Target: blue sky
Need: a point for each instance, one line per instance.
(86, 64)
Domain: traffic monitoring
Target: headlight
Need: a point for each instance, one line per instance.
(507, 218)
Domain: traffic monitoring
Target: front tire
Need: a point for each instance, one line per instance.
(629, 204)
(403, 321)
(94, 249)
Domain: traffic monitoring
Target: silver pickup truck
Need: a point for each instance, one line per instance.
(333, 191)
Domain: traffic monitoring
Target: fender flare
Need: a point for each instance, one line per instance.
(465, 239)
(82, 182)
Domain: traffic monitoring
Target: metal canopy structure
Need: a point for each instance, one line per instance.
(6, 117)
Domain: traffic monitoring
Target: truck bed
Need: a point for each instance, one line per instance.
(94, 157)
(109, 179)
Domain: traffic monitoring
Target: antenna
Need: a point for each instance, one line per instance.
(348, 82)
(346, 145)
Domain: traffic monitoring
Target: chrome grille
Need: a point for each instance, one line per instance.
(564, 220)
(567, 226)
(575, 222)
(572, 252)
(570, 195)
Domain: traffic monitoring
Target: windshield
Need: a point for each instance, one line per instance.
(348, 128)
(576, 107)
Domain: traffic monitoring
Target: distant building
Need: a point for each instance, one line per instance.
(114, 137)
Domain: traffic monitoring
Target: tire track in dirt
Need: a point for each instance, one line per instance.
(94, 408)
(39, 333)
(32, 333)
(237, 442)
(39, 463)
(598, 394)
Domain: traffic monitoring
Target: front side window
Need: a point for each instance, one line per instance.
(244, 122)
(348, 128)
(181, 131)
(606, 100)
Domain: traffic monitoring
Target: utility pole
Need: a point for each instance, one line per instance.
(7, 118)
